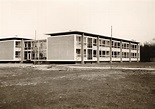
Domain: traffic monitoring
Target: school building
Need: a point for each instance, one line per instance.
(70, 47)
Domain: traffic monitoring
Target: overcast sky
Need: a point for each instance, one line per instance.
(130, 19)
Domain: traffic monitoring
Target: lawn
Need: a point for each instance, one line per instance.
(29, 88)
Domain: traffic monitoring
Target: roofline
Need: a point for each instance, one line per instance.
(14, 38)
(89, 34)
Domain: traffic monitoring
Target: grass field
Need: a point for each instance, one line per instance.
(28, 88)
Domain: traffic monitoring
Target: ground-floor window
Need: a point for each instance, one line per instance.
(104, 53)
(78, 52)
(125, 54)
(89, 54)
(115, 54)
(85, 55)
(94, 53)
(133, 55)
(17, 54)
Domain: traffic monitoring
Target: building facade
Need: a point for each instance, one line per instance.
(72, 46)
(11, 49)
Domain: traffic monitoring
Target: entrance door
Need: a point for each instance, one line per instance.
(28, 56)
(89, 54)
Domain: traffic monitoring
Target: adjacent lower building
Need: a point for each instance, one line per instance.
(70, 47)
(11, 49)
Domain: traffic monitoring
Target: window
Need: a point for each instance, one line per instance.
(113, 44)
(27, 55)
(100, 42)
(94, 53)
(104, 53)
(107, 43)
(78, 52)
(100, 53)
(84, 40)
(17, 54)
(133, 47)
(85, 53)
(115, 54)
(125, 46)
(89, 45)
(107, 53)
(125, 55)
(78, 39)
(103, 43)
(27, 45)
(133, 55)
(94, 42)
(116, 45)
(18, 44)
(89, 51)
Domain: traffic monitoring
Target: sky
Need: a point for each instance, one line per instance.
(130, 19)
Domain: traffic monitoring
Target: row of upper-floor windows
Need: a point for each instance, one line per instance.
(32, 45)
(90, 42)
(103, 53)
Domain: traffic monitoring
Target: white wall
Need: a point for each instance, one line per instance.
(6, 50)
(60, 48)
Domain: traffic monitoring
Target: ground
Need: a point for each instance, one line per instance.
(67, 87)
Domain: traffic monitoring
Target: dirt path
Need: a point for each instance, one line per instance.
(125, 68)
(73, 67)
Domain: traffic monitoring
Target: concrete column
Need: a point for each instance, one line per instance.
(82, 49)
(121, 51)
(98, 60)
(138, 52)
(111, 50)
(38, 49)
(22, 51)
(129, 51)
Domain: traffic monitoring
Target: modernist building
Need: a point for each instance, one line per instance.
(11, 49)
(72, 46)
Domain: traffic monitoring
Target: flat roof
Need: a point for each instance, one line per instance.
(13, 38)
(88, 34)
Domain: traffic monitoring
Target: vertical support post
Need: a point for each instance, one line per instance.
(111, 47)
(22, 51)
(129, 51)
(82, 49)
(138, 52)
(121, 51)
(38, 50)
(98, 60)
(35, 51)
